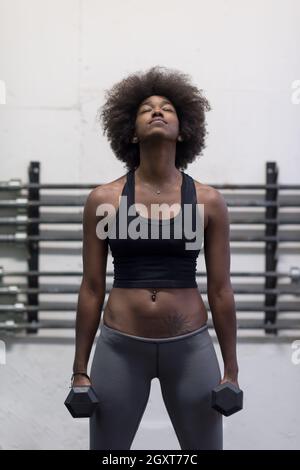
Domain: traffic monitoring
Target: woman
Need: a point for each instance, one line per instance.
(155, 322)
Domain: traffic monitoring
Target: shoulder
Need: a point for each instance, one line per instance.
(106, 193)
(213, 200)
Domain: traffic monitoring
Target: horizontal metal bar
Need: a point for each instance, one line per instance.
(232, 200)
(7, 273)
(241, 306)
(16, 184)
(65, 324)
(236, 235)
(15, 289)
(255, 217)
(241, 218)
(57, 218)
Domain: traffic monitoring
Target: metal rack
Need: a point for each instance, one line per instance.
(21, 212)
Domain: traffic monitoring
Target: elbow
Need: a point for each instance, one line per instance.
(220, 291)
(95, 289)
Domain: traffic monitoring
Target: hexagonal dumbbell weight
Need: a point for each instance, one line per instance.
(82, 401)
(227, 398)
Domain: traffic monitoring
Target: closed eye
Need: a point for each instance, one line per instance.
(165, 109)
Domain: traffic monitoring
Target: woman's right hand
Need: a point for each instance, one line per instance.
(80, 381)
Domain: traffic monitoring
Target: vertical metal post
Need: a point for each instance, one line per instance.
(33, 246)
(271, 248)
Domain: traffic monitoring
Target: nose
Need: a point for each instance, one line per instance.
(157, 111)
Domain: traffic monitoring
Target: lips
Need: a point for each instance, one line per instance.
(158, 120)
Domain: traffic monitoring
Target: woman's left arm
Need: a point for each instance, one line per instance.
(219, 290)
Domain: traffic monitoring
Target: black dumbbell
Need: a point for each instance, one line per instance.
(227, 398)
(82, 401)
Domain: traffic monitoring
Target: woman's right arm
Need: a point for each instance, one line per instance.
(93, 285)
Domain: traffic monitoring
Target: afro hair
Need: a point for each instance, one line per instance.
(118, 114)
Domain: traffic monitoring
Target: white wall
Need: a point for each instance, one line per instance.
(58, 56)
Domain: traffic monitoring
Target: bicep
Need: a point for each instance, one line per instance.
(217, 244)
(95, 249)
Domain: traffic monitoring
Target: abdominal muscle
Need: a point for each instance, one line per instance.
(169, 312)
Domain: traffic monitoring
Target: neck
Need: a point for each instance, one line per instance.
(157, 163)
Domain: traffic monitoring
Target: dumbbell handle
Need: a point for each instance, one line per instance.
(79, 373)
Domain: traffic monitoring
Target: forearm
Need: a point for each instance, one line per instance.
(87, 322)
(222, 307)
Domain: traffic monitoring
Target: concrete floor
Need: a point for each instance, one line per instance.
(35, 381)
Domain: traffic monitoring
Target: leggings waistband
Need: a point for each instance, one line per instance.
(111, 331)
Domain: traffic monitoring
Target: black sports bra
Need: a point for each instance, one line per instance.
(156, 252)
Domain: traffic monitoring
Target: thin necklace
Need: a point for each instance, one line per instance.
(157, 191)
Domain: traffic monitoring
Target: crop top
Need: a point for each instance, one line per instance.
(144, 260)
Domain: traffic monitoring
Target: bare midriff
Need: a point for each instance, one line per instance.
(155, 312)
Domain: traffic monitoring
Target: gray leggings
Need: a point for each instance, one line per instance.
(121, 373)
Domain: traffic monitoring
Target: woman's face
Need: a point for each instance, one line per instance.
(156, 107)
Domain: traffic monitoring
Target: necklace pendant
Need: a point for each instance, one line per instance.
(158, 191)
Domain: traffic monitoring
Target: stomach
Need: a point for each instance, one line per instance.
(155, 312)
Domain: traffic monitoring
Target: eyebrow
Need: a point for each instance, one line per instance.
(163, 102)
